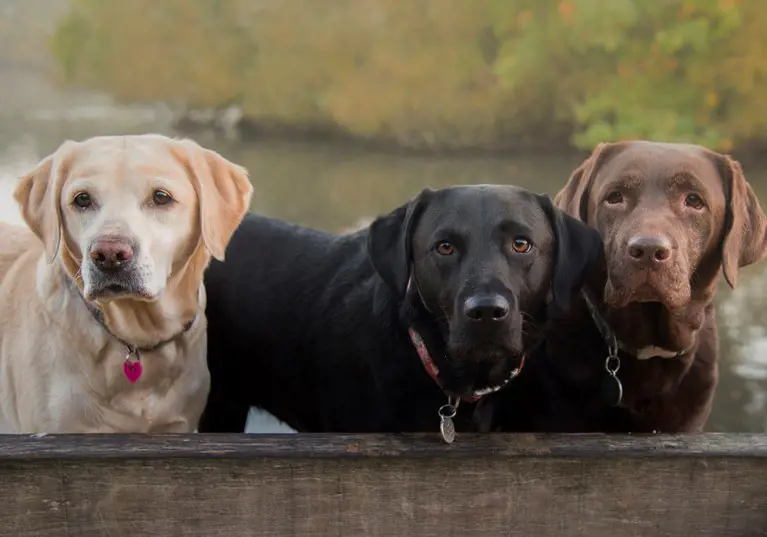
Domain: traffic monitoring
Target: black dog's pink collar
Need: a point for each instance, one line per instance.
(433, 370)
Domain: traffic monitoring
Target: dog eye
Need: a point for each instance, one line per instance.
(614, 198)
(445, 248)
(694, 201)
(521, 246)
(82, 200)
(160, 197)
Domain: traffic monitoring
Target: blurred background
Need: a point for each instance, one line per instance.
(343, 109)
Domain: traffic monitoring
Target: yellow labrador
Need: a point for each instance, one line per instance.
(102, 325)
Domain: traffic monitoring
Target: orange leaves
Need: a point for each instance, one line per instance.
(625, 70)
(524, 18)
(671, 64)
(566, 10)
(687, 9)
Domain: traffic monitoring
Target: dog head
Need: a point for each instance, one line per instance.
(670, 215)
(124, 214)
(484, 262)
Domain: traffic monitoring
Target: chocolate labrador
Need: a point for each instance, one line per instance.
(670, 216)
(376, 330)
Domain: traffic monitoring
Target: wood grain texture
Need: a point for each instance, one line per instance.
(248, 446)
(371, 485)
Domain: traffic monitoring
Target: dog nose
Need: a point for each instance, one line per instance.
(111, 255)
(650, 251)
(486, 308)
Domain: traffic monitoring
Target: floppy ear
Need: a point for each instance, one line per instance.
(744, 221)
(578, 251)
(39, 197)
(389, 242)
(574, 197)
(223, 190)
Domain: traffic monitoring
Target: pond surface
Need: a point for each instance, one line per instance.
(334, 187)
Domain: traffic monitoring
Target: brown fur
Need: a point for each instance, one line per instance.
(654, 310)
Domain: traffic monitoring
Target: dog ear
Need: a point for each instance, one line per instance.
(745, 242)
(223, 190)
(39, 197)
(578, 251)
(574, 197)
(389, 242)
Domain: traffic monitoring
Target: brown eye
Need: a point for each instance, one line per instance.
(614, 198)
(160, 197)
(694, 201)
(521, 246)
(445, 248)
(82, 200)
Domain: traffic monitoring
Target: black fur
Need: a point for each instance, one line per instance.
(312, 327)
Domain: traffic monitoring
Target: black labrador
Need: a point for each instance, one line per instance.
(373, 331)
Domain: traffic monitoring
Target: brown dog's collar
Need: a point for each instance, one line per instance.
(433, 370)
(611, 389)
(612, 342)
(604, 328)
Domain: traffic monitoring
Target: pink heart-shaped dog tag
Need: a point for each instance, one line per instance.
(132, 370)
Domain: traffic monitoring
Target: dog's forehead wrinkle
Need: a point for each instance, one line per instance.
(662, 170)
(481, 195)
(663, 147)
(657, 157)
(509, 203)
(625, 165)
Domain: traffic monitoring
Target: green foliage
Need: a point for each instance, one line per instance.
(629, 68)
(441, 72)
(191, 51)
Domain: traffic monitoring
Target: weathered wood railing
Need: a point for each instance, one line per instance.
(399, 485)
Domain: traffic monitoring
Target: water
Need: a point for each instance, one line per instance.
(335, 187)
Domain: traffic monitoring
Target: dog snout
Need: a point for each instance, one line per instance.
(650, 251)
(486, 308)
(111, 254)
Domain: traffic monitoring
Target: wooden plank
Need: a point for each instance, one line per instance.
(201, 446)
(373, 485)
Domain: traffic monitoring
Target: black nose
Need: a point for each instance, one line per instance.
(486, 308)
(650, 251)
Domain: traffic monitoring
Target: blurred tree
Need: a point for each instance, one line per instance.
(449, 73)
(628, 68)
(189, 51)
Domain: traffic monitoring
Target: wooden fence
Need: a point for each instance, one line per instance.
(374, 485)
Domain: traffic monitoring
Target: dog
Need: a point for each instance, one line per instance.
(377, 330)
(673, 217)
(102, 327)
